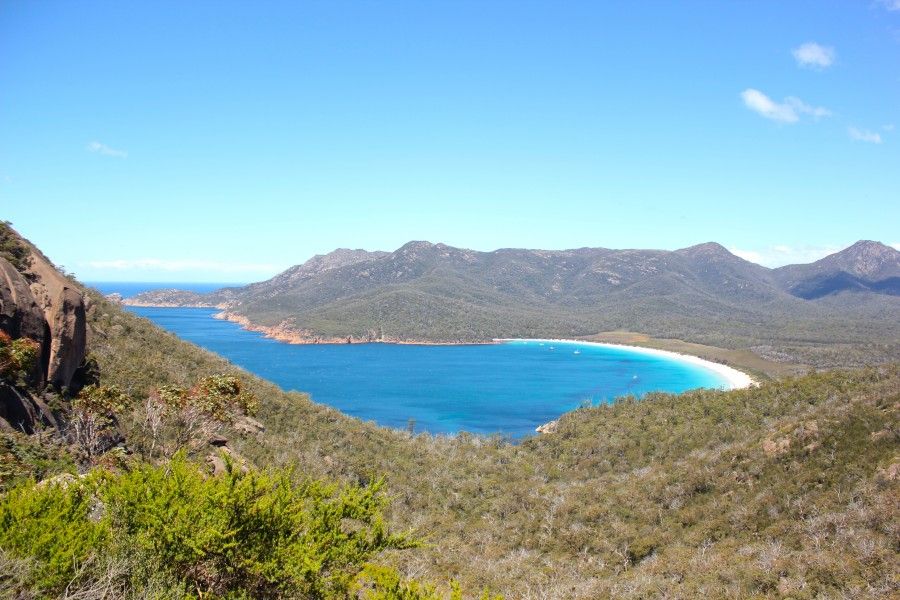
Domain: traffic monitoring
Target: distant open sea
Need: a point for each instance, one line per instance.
(129, 288)
(507, 388)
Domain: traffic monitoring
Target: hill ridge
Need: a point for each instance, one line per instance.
(433, 292)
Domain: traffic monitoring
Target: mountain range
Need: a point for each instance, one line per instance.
(437, 293)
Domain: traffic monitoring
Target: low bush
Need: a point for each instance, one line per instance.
(52, 525)
(241, 534)
(18, 358)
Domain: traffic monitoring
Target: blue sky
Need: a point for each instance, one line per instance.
(220, 141)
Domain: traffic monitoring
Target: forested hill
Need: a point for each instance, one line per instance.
(704, 293)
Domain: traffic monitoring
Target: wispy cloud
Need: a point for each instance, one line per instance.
(890, 4)
(788, 111)
(781, 254)
(864, 135)
(173, 266)
(813, 56)
(105, 150)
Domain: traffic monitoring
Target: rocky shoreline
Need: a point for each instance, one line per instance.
(138, 303)
(285, 333)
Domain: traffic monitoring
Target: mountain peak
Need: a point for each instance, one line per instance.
(870, 246)
(866, 258)
(707, 250)
(864, 266)
(416, 245)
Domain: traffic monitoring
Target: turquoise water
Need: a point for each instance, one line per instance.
(507, 388)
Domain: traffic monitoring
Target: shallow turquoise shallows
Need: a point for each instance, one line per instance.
(507, 388)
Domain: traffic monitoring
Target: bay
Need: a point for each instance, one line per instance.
(507, 388)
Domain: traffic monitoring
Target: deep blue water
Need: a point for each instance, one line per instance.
(508, 388)
(129, 289)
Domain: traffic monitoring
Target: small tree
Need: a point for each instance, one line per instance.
(93, 420)
(177, 418)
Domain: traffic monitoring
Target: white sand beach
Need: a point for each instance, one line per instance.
(734, 378)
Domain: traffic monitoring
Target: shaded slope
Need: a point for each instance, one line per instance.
(865, 266)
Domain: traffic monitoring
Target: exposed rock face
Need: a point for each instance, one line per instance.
(20, 315)
(50, 310)
(68, 329)
(64, 311)
(550, 427)
(21, 411)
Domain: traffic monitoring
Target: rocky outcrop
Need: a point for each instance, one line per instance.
(45, 306)
(20, 315)
(68, 329)
(550, 427)
(64, 309)
(22, 411)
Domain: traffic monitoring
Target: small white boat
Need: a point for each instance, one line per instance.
(577, 352)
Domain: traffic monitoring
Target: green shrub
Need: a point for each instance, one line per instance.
(12, 248)
(24, 457)
(240, 534)
(383, 583)
(51, 524)
(18, 358)
(255, 533)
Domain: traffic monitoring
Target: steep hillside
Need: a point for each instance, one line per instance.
(43, 336)
(782, 490)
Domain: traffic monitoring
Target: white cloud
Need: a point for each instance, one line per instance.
(864, 135)
(813, 56)
(788, 111)
(890, 4)
(105, 150)
(171, 266)
(751, 255)
(780, 254)
(888, 127)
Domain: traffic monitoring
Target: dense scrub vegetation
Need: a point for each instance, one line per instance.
(787, 489)
(170, 530)
(155, 523)
(12, 248)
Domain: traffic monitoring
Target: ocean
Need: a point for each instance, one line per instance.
(129, 289)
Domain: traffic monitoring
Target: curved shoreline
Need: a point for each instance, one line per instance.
(288, 335)
(735, 378)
